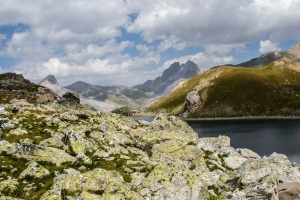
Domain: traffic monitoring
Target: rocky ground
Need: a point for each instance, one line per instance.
(49, 151)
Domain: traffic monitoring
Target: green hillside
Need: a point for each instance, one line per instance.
(272, 90)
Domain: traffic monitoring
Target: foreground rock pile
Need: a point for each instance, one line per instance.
(53, 152)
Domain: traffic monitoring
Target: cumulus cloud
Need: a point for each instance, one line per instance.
(143, 49)
(171, 42)
(267, 46)
(84, 38)
(217, 22)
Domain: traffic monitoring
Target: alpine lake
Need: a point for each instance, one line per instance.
(263, 136)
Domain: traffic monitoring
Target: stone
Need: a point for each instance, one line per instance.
(279, 158)
(192, 102)
(213, 144)
(70, 99)
(289, 190)
(18, 131)
(173, 181)
(247, 153)
(34, 170)
(234, 162)
(96, 180)
(9, 186)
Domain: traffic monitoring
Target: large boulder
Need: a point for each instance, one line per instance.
(70, 99)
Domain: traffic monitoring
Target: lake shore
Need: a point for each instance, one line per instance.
(241, 118)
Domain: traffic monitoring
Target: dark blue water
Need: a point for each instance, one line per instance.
(263, 136)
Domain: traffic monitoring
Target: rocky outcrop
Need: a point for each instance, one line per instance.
(192, 102)
(15, 88)
(75, 153)
(70, 99)
(295, 50)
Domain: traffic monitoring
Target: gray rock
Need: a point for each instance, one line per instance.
(192, 102)
(247, 153)
(289, 190)
(34, 170)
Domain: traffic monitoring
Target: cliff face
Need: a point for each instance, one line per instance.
(55, 152)
(272, 90)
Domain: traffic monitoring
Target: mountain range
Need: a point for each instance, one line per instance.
(107, 98)
(264, 86)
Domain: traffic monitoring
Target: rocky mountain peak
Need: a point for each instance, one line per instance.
(50, 79)
(173, 69)
(295, 50)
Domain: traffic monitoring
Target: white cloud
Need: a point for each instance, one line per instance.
(218, 22)
(222, 49)
(95, 51)
(143, 49)
(267, 46)
(83, 39)
(171, 42)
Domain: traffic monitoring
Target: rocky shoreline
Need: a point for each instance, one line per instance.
(49, 151)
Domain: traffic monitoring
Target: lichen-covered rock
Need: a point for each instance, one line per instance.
(212, 144)
(18, 131)
(76, 141)
(52, 155)
(55, 141)
(252, 171)
(234, 162)
(89, 196)
(156, 137)
(34, 170)
(247, 153)
(9, 186)
(173, 181)
(96, 180)
(120, 192)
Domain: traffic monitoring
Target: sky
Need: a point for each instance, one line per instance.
(126, 42)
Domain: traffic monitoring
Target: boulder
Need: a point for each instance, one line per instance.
(34, 170)
(70, 99)
(289, 190)
(171, 180)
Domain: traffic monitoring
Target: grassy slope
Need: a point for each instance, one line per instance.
(268, 91)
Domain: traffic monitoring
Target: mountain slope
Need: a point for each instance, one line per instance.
(273, 90)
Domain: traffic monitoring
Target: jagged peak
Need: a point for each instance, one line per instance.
(51, 79)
